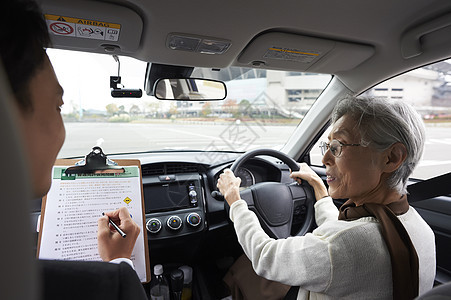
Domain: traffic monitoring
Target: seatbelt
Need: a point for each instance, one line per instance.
(292, 293)
(434, 187)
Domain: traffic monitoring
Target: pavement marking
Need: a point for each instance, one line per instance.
(446, 141)
(428, 163)
(195, 134)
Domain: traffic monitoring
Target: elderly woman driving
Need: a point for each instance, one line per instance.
(375, 246)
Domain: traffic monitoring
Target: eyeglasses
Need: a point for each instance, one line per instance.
(335, 147)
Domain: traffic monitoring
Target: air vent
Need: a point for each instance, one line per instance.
(156, 169)
(181, 168)
(169, 168)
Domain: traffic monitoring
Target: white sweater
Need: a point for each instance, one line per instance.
(339, 259)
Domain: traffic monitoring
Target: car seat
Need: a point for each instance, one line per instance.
(20, 270)
(439, 292)
(18, 279)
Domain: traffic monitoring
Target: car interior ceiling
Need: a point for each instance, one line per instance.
(372, 59)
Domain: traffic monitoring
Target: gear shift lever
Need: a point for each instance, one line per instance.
(177, 284)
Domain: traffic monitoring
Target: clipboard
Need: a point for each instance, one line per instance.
(92, 171)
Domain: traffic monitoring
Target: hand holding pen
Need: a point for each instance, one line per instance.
(123, 234)
(112, 242)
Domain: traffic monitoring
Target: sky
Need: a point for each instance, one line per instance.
(85, 78)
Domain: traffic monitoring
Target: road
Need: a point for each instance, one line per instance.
(132, 137)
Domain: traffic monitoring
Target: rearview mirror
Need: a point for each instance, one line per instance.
(189, 89)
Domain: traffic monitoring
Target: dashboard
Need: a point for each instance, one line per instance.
(178, 198)
(175, 204)
(180, 210)
(185, 225)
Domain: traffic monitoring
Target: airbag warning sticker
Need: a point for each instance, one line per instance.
(88, 29)
(291, 54)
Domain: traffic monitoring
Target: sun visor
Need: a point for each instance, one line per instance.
(287, 51)
(92, 26)
(433, 33)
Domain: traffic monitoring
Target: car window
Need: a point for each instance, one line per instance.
(428, 89)
(261, 110)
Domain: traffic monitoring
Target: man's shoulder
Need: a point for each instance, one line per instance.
(89, 280)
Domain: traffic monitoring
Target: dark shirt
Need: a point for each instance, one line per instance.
(88, 280)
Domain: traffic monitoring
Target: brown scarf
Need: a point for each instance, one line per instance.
(404, 259)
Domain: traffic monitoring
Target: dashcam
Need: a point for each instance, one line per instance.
(126, 93)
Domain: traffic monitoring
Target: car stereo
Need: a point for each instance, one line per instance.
(171, 192)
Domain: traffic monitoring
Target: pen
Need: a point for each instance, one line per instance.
(116, 227)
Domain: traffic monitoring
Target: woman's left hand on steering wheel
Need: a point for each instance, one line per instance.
(306, 173)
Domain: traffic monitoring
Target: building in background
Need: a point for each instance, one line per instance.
(277, 94)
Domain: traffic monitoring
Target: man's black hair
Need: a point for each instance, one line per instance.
(23, 39)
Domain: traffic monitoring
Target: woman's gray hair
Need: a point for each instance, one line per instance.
(382, 123)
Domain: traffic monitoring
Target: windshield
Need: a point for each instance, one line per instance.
(262, 108)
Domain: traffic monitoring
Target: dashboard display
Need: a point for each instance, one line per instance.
(247, 178)
(168, 196)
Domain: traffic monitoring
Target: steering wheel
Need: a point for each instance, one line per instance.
(274, 202)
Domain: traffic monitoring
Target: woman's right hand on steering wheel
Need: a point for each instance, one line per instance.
(306, 173)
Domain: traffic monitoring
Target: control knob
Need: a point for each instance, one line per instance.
(193, 219)
(153, 225)
(174, 222)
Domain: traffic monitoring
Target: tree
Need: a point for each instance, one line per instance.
(206, 109)
(173, 110)
(111, 109)
(122, 110)
(244, 107)
(230, 106)
(134, 110)
(153, 109)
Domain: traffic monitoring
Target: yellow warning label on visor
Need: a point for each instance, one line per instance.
(82, 21)
(297, 55)
(82, 28)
